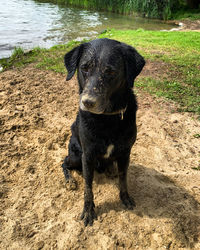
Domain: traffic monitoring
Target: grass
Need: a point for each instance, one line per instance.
(197, 136)
(197, 168)
(49, 59)
(185, 95)
(179, 51)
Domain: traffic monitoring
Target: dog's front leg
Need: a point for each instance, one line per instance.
(123, 163)
(88, 214)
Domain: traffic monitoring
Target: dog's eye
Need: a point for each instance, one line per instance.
(85, 69)
(110, 72)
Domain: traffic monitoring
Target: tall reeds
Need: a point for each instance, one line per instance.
(148, 8)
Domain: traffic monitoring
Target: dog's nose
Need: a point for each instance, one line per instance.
(89, 103)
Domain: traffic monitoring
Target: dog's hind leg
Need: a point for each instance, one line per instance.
(70, 181)
(72, 162)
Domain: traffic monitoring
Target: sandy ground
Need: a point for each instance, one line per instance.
(37, 211)
(186, 25)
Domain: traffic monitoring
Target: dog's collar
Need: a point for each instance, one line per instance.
(120, 112)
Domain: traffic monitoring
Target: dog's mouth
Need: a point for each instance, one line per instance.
(93, 110)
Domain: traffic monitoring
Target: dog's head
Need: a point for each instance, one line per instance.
(106, 71)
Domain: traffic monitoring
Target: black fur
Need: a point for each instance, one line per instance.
(105, 127)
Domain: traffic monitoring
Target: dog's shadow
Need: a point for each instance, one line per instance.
(158, 196)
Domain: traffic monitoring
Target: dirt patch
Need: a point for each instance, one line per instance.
(186, 25)
(189, 25)
(159, 70)
(38, 212)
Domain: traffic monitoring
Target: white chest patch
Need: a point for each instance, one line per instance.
(109, 151)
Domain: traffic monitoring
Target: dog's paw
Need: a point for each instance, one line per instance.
(88, 215)
(71, 184)
(127, 200)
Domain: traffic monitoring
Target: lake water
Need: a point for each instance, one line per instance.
(27, 24)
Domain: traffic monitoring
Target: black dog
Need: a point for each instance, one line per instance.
(105, 127)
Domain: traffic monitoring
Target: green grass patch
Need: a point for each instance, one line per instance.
(157, 39)
(186, 97)
(48, 59)
(18, 58)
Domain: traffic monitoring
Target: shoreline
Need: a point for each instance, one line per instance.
(182, 25)
(186, 25)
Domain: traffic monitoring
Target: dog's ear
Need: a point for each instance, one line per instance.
(72, 59)
(134, 63)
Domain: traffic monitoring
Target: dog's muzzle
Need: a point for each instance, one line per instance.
(88, 102)
(91, 103)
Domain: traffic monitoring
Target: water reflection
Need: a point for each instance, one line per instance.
(27, 24)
